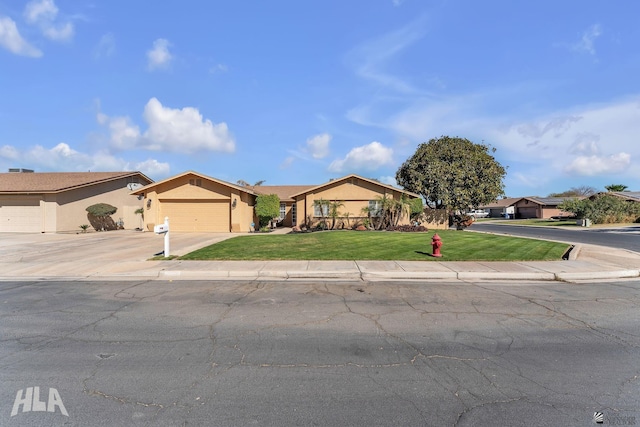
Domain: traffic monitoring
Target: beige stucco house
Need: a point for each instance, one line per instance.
(194, 202)
(37, 202)
(539, 207)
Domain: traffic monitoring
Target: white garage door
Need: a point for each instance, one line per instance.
(197, 215)
(20, 216)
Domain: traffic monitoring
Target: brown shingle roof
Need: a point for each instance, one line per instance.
(284, 192)
(54, 182)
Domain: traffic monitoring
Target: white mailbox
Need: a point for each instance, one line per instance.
(161, 228)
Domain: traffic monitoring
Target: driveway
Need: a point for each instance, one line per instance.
(106, 247)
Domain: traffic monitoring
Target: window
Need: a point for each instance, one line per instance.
(283, 211)
(294, 219)
(320, 210)
(375, 207)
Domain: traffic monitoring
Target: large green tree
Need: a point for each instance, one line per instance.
(453, 173)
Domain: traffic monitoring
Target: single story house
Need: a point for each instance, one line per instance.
(194, 202)
(629, 196)
(539, 207)
(502, 208)
(38, 202)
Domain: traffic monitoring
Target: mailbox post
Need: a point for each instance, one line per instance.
(164, 229)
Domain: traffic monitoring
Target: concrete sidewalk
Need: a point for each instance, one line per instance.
(124, 255)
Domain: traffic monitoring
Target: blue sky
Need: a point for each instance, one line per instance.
(298, 92)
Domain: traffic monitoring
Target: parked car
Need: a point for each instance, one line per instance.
(478, 213)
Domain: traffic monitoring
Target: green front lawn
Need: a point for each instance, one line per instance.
(379, 245)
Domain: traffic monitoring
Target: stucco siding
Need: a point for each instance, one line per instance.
(72, 205)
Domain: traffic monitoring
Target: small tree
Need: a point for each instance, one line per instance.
(333, 212)
(267, 208)
(323, 207)
(99, 216)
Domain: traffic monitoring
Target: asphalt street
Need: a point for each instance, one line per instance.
(163, 353)
(620, 237)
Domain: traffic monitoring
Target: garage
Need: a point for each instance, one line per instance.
(526, 213)
(22, 215)
(197, 215)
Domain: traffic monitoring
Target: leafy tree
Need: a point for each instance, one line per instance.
(582, 191)
(99, 216)
(416, 207)
(243, 183)
(453, 173)
(267, 208)
(616, 187)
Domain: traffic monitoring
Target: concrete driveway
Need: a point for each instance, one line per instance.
(106, 247)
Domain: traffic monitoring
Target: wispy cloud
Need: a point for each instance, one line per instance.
(370, 59)
(44, 14)
(11, 40)
(586, 43)
(106, 47)
(159, 56)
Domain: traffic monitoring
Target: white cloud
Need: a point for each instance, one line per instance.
(184, 130)
(106, 47)
(64, 158)
(11, 39)
(153, 167)
(9, 152)
(43, 13)
(169, 129)
(599, 165)
(318, 145)
(367, 157)
(159, 56)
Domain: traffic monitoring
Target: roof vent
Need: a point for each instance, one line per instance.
(20, 170)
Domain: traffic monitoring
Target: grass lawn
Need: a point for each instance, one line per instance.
(374, 245)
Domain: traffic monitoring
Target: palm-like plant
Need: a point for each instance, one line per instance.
(333, 211)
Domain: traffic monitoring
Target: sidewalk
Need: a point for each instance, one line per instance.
(124, 256)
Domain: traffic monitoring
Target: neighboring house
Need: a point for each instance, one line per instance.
(539, 207)
(353, 191)
(629, 196)
(37, 202)
(502, 208)
(196, 202)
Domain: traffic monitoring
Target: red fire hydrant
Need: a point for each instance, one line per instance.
(436, 242)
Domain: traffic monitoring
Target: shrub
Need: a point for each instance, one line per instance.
(99, 216)
(267, 208)
(603, 209)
